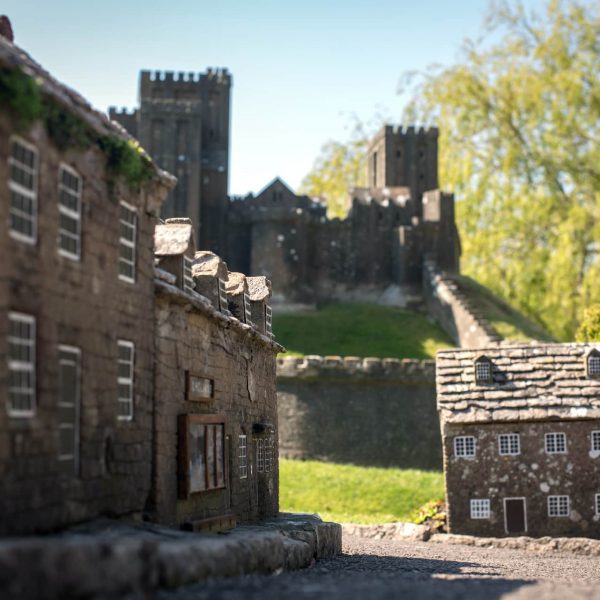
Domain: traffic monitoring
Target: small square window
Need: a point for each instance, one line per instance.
(556, 443)
(483, 370)
(480, 508)
(559, 506)
(595, 441)
(464, 446)
(509, 444)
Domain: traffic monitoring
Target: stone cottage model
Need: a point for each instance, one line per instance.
(521, 439)
(129, 388)
(216, 407)
(77, 295)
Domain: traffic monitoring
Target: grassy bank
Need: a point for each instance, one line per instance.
(360, 330)
(350, 494)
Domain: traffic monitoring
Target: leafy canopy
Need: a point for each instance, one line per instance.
(519, 122)
(589, 328)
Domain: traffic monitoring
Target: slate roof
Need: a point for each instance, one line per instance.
(13, 57)
(259, 288)
(173, 237)
(530, 383)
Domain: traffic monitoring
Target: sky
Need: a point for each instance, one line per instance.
(303, 70)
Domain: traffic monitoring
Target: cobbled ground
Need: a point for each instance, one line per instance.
(384, 569)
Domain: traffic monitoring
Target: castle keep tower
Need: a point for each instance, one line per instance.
(183, 123)
(404, 157)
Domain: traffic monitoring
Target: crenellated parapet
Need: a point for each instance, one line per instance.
(353, 368)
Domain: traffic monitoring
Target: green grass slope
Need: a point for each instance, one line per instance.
(360, 330)
(350, 494)
(507, 321)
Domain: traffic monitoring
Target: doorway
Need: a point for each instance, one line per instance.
(515, 515)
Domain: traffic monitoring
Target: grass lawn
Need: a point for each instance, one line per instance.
(360, 330)
(508, 322)
(350, 494)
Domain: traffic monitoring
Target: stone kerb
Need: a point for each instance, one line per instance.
(357, 368)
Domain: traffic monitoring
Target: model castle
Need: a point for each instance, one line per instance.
(183, 122)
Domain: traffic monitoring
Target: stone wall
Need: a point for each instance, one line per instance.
(449, 306)
(372, 412)
(83, 304)
(193, 338)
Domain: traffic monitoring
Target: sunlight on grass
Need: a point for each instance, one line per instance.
(351, 494)
(360, 330)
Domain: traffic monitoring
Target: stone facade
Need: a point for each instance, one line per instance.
(183, 122)
(374, 412)
(127, 392)
(73, 443)
(521, 439)
(217, 372)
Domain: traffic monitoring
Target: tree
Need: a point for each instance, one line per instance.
(589, 328)
(339, 167)
(519, 126)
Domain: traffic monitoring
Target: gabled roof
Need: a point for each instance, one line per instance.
(529, 383)
(13, 57)
(173, 237)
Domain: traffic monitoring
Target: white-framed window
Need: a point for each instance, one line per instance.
(223, 302)
(597, 504)
(595, 441)
(21, 365)
(464, 446)
(260, 455)
(243, 456)
(559, 506)
(69, 213)
(268, 443)
(247, 310)
(483, 370)
(69, 401)
(23, 184)
(509, 444)
(480, 508)
(556, 443)
(188, 280)
(126, 358)
(127, 241)
(268, 320)
(593, 364)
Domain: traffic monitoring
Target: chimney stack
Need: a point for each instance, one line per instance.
(6, 28)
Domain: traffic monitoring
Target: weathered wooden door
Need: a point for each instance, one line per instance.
(515, 515)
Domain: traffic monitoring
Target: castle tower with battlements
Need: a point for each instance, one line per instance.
(183, 122)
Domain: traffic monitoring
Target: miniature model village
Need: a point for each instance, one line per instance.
(137, 360)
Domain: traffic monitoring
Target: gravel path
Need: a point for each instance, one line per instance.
(375, 569)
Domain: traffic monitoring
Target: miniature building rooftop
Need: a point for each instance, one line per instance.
(235, 283)
(208, 264)
(13, 57)
(259, 288)
(172, 237)
(533, 382)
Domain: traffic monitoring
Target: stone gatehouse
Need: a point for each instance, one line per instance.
(521, 439)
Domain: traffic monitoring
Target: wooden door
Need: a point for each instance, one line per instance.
(515, 515)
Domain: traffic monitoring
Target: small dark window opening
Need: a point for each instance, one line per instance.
(593, 364)
(483, 370)
(398, 154)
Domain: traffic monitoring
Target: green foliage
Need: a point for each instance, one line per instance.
(351, 494)
(359, 330)
(339, 167)
(589, 328)
(433, 514)
(520, 145)
(508, 322)
(22, 95)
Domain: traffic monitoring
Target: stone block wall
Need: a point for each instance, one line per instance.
(193, 338)
(85, 305)
(364, 411)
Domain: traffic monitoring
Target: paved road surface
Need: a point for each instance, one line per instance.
(381, 569)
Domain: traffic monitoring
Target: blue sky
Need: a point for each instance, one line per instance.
(301, 68)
